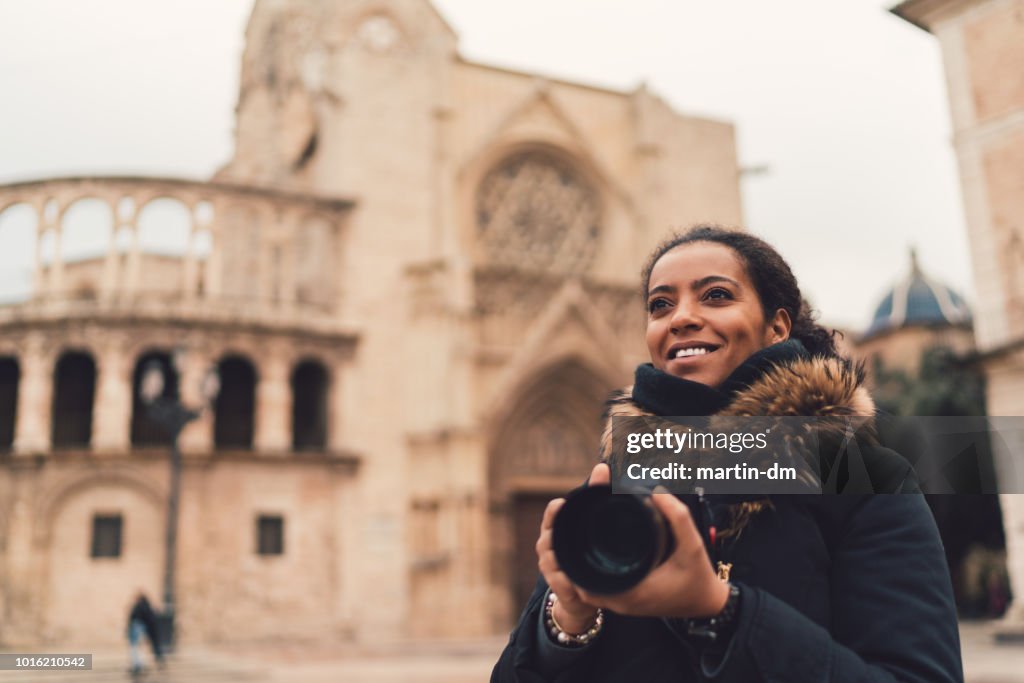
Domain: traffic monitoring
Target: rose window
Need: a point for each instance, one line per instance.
(537, 211)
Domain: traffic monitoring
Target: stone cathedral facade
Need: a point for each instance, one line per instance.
(982, 43)
(417, 280)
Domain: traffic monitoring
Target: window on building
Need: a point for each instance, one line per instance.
(74, 386)
(234, 421)
(538, 211)
(270, 535)
(106, 535)
(309, 407)
(9, 375)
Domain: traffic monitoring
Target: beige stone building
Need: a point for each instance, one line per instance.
(982, 44)
(916, 323)
(417, 279)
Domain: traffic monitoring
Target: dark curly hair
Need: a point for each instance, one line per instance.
(772, 278)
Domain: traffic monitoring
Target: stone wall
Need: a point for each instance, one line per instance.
(982, 44)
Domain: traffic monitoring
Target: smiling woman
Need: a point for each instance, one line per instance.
(806, 587)
(704, 314)
(750, 275)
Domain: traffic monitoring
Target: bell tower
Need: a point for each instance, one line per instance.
(336, 95)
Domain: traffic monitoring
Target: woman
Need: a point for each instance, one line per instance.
(810, 588)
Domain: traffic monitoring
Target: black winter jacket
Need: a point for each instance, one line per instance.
(834, 588)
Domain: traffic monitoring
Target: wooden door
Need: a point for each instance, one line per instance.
(527, 512)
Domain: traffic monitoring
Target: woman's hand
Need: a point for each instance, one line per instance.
(685, 585)
(571, 612)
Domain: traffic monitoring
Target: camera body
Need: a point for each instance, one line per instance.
(606, 542)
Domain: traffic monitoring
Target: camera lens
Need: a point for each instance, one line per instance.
(607, 543)
(619, 538)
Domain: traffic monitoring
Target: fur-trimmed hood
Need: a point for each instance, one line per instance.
(829, 389)
(807, 387)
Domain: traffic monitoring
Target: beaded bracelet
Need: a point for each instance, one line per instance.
(563, 637)
(717, 629)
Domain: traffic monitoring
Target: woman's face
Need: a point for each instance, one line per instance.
(704, 317)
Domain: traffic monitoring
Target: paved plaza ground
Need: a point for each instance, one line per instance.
(985, 661)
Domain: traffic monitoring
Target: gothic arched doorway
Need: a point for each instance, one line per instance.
(545, 446)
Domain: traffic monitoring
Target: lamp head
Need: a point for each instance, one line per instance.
(152, 385)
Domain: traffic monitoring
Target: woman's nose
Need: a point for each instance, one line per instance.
(686, 316)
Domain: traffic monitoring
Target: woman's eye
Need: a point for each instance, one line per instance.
(657, 305)
(718, 294)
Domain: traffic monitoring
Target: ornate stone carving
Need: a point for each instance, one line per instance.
(551, 446)
(536, 211)
(508, 300)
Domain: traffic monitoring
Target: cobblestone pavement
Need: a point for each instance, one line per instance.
(985, 661)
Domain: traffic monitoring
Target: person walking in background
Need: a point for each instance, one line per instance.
(142, 621)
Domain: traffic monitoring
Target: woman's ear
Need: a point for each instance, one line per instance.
(779, 327)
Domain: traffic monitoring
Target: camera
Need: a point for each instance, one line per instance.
(608, 542)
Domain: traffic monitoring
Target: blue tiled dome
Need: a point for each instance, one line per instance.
(918, 300)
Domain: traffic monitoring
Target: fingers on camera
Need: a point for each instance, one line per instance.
(543, 542)
(550, 511)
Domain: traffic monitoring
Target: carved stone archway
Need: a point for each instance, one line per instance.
(544, 446)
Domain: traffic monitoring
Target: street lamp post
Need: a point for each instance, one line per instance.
(173, 416)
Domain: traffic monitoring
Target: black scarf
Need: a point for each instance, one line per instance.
(664, 394)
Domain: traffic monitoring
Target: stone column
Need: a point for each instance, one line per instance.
(133, 261)
(35, 392)
(112, 259)
(273, 404)
(211, 265)
(23, 611)
(112, 409)
(39, 281)
(56, 271)
(212, 288)
(197, 437)
(190, 267)
(1004, 397)
(1013, 525)
(1011, 481)
(469, 457)
(338, 404)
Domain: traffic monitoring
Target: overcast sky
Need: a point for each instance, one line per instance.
(844, 103)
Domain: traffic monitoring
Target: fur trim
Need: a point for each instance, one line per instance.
(814, 387)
